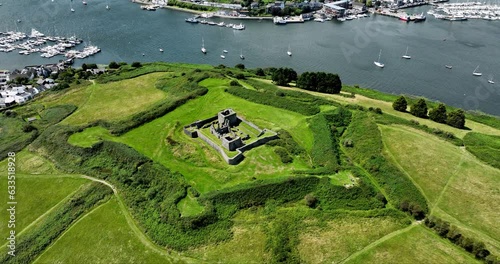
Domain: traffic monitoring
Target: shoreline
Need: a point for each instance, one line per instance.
(185, 10)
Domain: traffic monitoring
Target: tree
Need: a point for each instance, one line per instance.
(400, 104)
(438, 114)
(113, 65)
(419, 109)
(240, 66)
(456, 119)
(136, 64)
(320, 82)
(260, 72)
(84, 67)
(282, 76)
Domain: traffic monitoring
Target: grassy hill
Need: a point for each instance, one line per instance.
(341, 184)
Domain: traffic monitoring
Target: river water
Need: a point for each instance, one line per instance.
(125, 33)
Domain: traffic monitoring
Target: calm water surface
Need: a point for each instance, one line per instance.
(125, 32)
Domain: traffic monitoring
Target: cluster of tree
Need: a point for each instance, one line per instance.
(452, 233)
(320, 82)
(283, 76)
(20, 80)
(116, 65)
(89, 66)
(189, 5)
(136, 64)
(438, 114)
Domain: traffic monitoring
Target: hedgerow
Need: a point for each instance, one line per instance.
(327, 127)
(274, 100)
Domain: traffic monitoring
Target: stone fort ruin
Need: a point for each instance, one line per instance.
(232, 132)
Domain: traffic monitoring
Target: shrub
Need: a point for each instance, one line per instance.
(240, 66)
(348, 143)
(113, 65)
(240, 76)
(283, 154)
(311, 200)
(28, 128)
(10, 113)
(136, 64)
(234, 83)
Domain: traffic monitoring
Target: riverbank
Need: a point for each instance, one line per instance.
(191, 11)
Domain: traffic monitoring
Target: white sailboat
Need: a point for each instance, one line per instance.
(378, 63)
(490, 80)
(161, 50)
(225, 51)
(475, 72)
(203, 46)
(222, 55)
(241, 55)
(406, 56)
(71, 5)
(289, 52)
(107, 7)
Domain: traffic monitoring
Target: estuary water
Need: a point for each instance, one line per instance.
(126, 32)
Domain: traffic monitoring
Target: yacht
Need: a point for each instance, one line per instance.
(192, 20)
(84, 3)
(448, 66)
(406, 56)
(241, 55)
(161, 50)
(476, 73)
(222, 56)
(378, 63)
(203, 46)
(491, 80)
(225, 51)
(420, 18)
(289, 52)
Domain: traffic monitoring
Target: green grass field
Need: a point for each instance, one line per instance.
(117, 100)
(387, 108)
(198, 162)
(342, 237)
(246, 246)
(189, 206)
(102, 236)
(484, 147)
(459, 187)
(39, 187)
(35, 196)
(416, 245)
